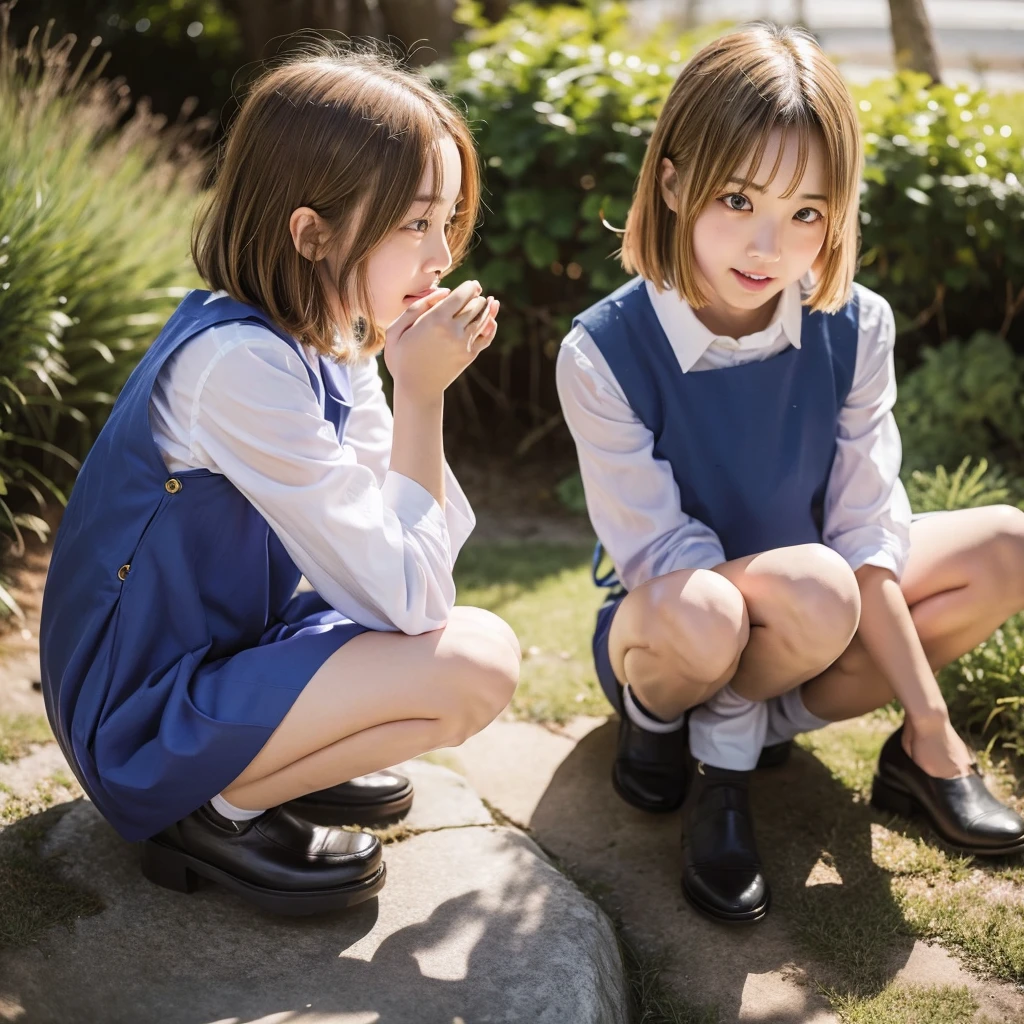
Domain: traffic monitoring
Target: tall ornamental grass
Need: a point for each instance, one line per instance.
(95, 210)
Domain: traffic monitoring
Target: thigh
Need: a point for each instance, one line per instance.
(465, 669)
(981, 547)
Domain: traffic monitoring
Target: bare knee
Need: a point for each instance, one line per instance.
(1006, 561)
(700, 629)
(814, 608)
(479, 666)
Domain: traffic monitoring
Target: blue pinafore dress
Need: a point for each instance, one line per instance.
(751, 446)
(172, 642)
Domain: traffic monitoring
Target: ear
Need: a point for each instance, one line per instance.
(669, 181)
(306, 229)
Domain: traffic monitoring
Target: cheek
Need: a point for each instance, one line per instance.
(805, 242)
(714, 237)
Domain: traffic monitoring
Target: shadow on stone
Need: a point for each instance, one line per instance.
(474, 923)
(829, 897)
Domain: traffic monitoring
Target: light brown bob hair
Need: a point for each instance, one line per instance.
(349, 135)
(716, 124)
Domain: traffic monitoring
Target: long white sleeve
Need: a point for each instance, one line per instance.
(867, 513)
(375, 544)
(632, 497)
(369, 431)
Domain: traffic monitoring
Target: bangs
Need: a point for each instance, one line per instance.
(803, 130)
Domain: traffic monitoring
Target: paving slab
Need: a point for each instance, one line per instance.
(448, 800)
(557, 784)
(474, 925)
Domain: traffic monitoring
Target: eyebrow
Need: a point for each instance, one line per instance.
(762, 189)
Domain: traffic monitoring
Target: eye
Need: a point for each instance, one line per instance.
(736, 201)
(419, 226)
(808, 215)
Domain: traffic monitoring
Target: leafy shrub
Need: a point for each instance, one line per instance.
(941, 491)
(985, 688)
(963, 399)
(564, 100)
(943, 208)
(93, 257)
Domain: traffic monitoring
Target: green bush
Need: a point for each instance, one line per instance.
(961, 400)
(943, 209)
(985, 689)
(941, 491)
(93, 258)
(563, 101)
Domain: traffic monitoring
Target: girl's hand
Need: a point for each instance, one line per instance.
(437, 337)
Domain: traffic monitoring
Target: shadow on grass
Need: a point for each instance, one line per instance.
(851, 935)
(520, 566)
(33, 896)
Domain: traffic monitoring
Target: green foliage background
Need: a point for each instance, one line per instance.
(97, 197)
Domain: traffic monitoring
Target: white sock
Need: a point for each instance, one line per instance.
(728, 730)
(230, 811)
(642, 720)
(788, 716)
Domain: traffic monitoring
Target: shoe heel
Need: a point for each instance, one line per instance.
(167, 868)
(886, 798)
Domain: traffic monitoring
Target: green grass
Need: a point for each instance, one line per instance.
(910, 1004)
(19, 732)
(544, 591)
(33, 896)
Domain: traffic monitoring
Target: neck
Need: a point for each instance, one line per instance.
(731, 322)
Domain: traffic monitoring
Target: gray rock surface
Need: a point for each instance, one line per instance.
(473, 926)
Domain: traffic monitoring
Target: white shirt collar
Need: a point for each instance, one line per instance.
(690, 339)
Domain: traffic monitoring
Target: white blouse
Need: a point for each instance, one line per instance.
(632, 497)
(374, 544)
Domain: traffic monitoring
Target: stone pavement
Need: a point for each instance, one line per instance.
(474, 925)
(555, 782)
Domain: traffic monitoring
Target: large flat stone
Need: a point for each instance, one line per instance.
(558, 784)
(443, 799)
(474, 925)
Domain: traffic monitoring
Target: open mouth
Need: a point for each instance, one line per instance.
(752, 282)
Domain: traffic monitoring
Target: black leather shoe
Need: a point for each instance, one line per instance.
(372, 799)
(721, 868)
(961, 811)
(650, 767)
(277, 861)
(775, 754)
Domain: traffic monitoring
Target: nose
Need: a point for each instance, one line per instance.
(440, 257)
(765, 243)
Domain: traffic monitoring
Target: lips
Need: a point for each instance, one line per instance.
(752, 283)
(423, 294)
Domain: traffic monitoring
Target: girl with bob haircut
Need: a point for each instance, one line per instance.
(208, 708)
(732, 412)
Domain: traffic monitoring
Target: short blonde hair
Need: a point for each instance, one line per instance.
(349, 135)
(716, 124)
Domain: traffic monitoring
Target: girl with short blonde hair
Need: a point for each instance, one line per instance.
(732, 412)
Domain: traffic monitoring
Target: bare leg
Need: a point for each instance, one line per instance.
(804, 605)
(677, 639)
(964, 578)
(382, 698)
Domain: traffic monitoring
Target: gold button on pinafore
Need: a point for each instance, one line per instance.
(122, 573)
(173, 485)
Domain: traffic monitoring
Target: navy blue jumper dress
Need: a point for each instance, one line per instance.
(172, 641)
(751, 446)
